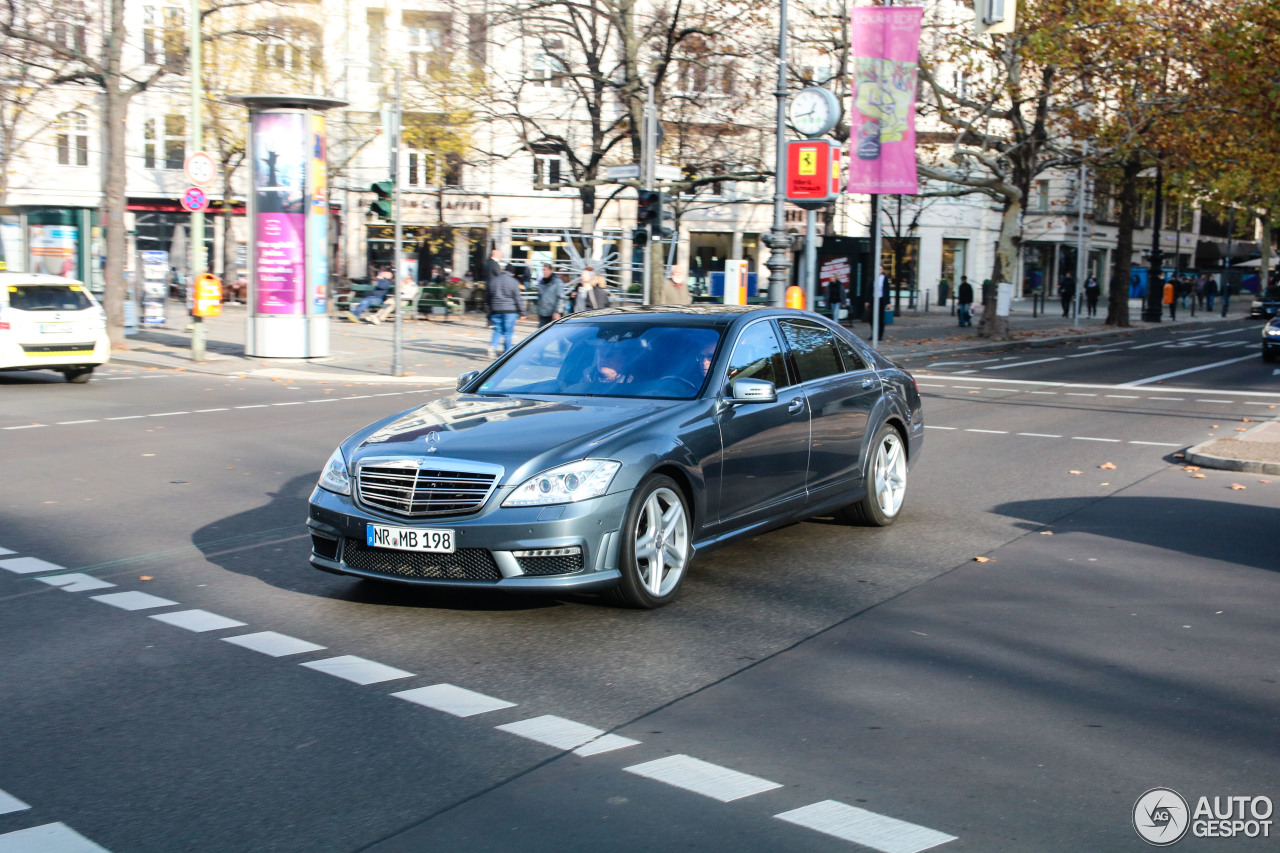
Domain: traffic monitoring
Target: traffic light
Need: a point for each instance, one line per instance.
(649, 208)
(640, 238)
(663, 230)
(383, 206)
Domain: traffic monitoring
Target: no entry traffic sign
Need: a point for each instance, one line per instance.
(195, 199)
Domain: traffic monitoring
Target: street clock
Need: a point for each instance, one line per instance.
(814, 111)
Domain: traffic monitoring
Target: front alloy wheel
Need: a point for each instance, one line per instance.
(655, 549)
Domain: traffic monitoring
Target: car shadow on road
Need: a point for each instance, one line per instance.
(1192, 526)
(270, 542)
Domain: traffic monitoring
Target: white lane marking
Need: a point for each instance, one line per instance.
(1125, 396)
(1157, 443)
(4, 552)
(1039, 435)
(553, 731)
(76, 582)
(1038, 383)
(126, 418)
(928, 385)
(1181, 399)
(255, 406)
(10, 803)
(198, 621)
(325, 400)
(608, 743)
(949, 363)
(701, 777)
(85, 421)
(1024, 363)
(1049, 393)
(991, 431)
(27, 426)
(453, 700)
(930, 426)
(167, 414)
(357, 669)
(1163, 376)
(203, 411)
(963, 372)
(273, 644)
(1253, 402)
(1097, 352)
(133, 600)
(49, 838)
(967, 387)
(294, 403)
(27, 565)
(849, 823)
(1214, 401)
(1078, 394)
(1089, 438)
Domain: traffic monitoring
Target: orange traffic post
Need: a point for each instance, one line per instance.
(795, 297)
(206, 302)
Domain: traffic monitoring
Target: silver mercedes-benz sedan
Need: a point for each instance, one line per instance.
(611, 448)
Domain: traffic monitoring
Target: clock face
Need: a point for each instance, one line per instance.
(814, 111)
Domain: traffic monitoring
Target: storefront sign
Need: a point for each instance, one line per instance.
(809, 172)
(53, 249)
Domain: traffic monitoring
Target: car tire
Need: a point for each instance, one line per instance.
(1268, 355)
(79, 375)
(885, 482)
(654, 566)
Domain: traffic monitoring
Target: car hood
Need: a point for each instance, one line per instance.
(523, 435)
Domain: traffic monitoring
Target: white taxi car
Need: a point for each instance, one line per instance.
(51, 323)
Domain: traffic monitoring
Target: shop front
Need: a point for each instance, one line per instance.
(53, 241)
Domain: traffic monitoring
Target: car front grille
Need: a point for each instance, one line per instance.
(402, 488)
(469, 564)
(325, 547)
(565, 564)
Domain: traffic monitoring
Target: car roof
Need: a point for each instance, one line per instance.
(14, 278)
(701, 314)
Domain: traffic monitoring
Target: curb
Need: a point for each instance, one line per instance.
(1196, 456)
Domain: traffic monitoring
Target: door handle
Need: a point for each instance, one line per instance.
(795, 406)
(868, 381)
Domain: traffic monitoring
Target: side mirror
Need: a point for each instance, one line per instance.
(465, 379)
(754, 391)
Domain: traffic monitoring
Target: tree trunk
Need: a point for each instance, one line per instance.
(1118, 301)
(114, 205)
(990, 326)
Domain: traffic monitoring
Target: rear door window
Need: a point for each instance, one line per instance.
(813, 349)
(48, 297)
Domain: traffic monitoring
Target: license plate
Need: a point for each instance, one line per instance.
(55, 328)
(409, 539)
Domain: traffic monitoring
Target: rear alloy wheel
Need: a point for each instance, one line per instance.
(886, 482)
(78, 375)
(655, 550)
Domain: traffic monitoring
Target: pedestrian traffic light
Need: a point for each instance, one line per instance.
(383, 206)
(640, 238)
(649, 207)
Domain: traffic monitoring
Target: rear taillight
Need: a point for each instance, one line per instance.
(4, 327)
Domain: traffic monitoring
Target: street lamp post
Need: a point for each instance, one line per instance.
(776, 239)
(1155, 292)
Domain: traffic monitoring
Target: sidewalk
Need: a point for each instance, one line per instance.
(1255, 452)
(436, 351)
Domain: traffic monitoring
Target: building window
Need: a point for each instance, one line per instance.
(477, 40)
(73, 139)
(175, 141)
(425, 169)
(549, 67)
(1042, 197)
(377, 21)
(546, 171)
(67, 25)
(429, 43)
(291, 46)
(164, 36)
(149, 144)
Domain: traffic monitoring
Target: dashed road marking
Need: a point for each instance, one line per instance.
(133, 600)
(198, 621)
(553, 731)
(701, 777)
(10, 803)
(608, 743)
(85, 421)
(1215, 401)
(49, 838)
(1024, 363)
(1184, 372)
(1078, 394)
(76, 582)
(1124, 396)
(450, 699)
(357, 669)
(990, 431)
(27, 426)
(931, 426)
(1091, 438)
(28, 565)
(1039, 435)
(4, 552)
(167, 414)
(273, 644)
(1159, 443)
(849, 823)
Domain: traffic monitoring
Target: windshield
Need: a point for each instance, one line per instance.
(1271, 293)
(585, 359)
(48, 297)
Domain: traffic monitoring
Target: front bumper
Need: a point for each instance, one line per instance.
(485, 544)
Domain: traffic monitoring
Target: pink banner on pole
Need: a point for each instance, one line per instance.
(882, 138)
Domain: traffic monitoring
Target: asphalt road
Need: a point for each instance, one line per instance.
(879, 685)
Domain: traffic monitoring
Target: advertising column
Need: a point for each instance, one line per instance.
(288, 227)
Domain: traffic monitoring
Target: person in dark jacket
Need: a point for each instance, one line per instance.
(1067, 292)
(381, 287)
(1091, 293)
(493, 266)
(504, 310)
(550, 295)
(964, 301)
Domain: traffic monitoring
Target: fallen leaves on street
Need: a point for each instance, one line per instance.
(982, 559)
(1108, 466)
(1236, 487)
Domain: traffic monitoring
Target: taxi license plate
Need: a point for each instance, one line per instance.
(409, 539)
(55, 328)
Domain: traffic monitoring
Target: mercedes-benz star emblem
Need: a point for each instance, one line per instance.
(432, 439)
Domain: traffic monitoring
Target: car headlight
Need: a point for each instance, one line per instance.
(334, 476)
(1271, 331)
(564, 484)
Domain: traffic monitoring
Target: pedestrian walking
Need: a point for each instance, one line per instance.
(964, 302)
(550, 296)
(1226, 293)
(1210, 291)
(382, 285)
(880, 289)
(673, 290)
(592, 293)
(1199, 290)
(504, 310)
(493, 266)
(1170, 299)
(1066, 292)
(1092, 290)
